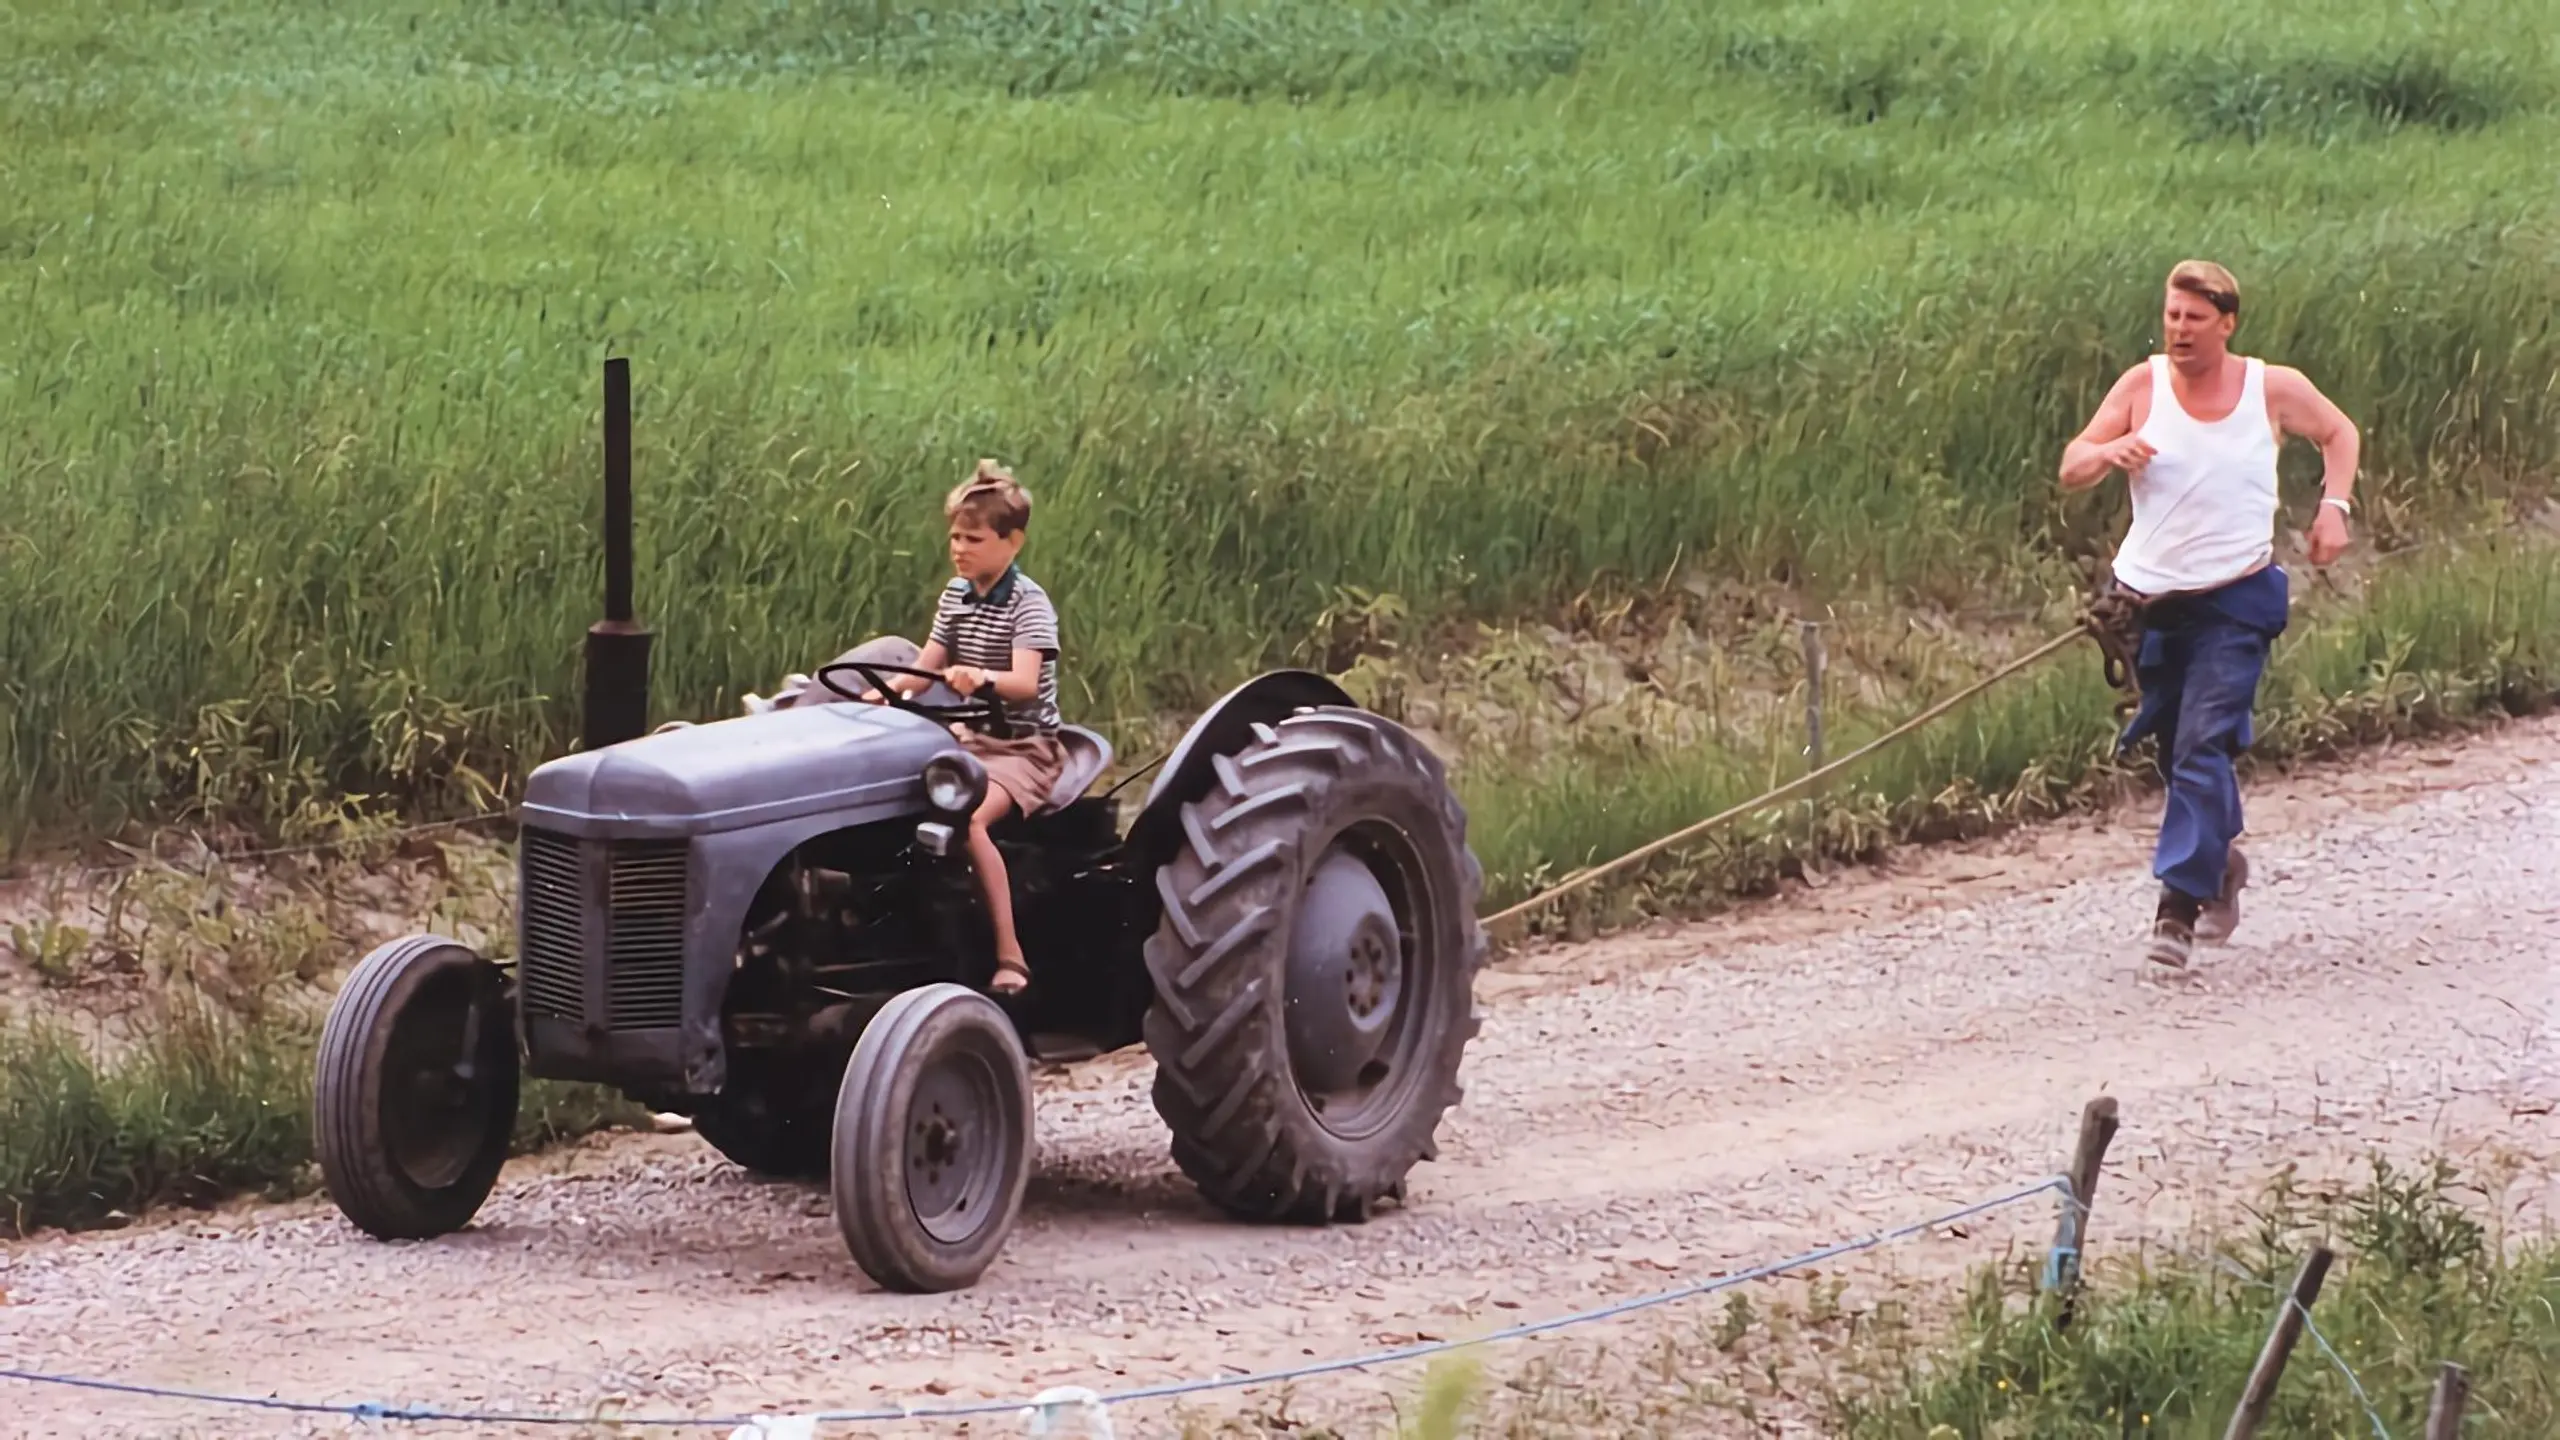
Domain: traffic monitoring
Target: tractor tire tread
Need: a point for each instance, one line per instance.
(352, 1151)
(1217, 960)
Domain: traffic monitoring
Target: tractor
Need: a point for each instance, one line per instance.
(768, 923)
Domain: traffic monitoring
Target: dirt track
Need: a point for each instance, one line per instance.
(1639, 1111)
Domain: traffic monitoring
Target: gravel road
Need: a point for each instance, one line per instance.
(1640, 1111)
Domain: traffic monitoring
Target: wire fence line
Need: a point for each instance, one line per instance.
(210, 856)
(1040, 1408)
(2372, 1414)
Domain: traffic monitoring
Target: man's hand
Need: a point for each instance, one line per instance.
(964, 678)
(2129, 454)
(2108, 441)
(2328, 535)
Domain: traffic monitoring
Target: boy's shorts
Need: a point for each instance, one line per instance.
(1027, 766)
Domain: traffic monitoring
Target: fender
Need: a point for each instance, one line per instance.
(1223, 729)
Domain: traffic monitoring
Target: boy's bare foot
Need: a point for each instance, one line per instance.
(1012, 976)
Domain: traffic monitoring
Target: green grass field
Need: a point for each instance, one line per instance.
(1484, 306)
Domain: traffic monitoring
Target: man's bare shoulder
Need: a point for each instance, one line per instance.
(2285, 380)
(2298, 407)
(2136, 380)
(2128, 398)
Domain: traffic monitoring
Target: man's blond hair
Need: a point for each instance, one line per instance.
(991, 497)
(2208, 281)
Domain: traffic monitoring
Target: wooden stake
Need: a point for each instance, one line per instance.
(2098, 1122)
(2295, 1309)
(1815, 664)
(2444, 1411)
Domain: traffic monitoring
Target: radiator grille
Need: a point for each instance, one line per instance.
(644, 981)
(554, 947)
(641, 915)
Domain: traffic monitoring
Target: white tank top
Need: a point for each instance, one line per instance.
(2204, 509)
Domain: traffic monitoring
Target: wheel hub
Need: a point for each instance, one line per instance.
(951, 1176)
(937, 1147)
(1346, 977)
(433, 1090)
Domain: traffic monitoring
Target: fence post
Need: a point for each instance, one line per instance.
(2444, 1409)
(1816, 664)
(2290, 1313)
(2098, 1124)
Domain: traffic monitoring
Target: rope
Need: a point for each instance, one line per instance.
(370, 1410)
(1811, 777)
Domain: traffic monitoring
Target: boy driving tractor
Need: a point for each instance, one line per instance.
(999, 624)
(994, 631)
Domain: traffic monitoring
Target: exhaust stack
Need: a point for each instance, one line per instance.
(616, 702)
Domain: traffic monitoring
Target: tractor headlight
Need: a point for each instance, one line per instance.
(955, 783)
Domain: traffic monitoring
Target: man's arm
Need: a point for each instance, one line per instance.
(2302, 410)
(2107, 442)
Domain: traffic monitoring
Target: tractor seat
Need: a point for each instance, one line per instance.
(1088, 755)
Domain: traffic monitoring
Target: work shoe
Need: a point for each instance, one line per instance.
(2173, 930)
(2216, 921)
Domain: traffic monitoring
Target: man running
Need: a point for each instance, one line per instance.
(2196, 431)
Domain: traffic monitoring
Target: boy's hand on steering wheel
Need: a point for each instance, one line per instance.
(964, 678)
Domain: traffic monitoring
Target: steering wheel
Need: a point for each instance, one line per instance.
(985, 711)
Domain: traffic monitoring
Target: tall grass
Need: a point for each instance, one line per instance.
(1483, 305)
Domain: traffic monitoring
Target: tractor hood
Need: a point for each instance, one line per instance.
(747, 771)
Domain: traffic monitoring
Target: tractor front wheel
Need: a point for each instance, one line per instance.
(415, 1097)
(1314, 969)
(932, 1140)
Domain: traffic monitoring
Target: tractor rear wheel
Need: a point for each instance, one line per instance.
(933, 1137)
(414, 1102)
(1314, 969)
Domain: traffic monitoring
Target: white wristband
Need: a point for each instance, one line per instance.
(2343, 508)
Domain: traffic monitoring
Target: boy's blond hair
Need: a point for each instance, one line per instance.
(991, 497)
(2209, 281)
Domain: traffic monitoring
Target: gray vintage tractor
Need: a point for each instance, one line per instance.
(770, 923)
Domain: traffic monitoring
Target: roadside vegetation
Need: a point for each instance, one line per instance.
(2164, 1344)
(2159, 1348)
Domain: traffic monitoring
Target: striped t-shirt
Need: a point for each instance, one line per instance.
(985, 630)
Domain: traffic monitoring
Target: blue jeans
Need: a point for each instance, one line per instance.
(2203, 653)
